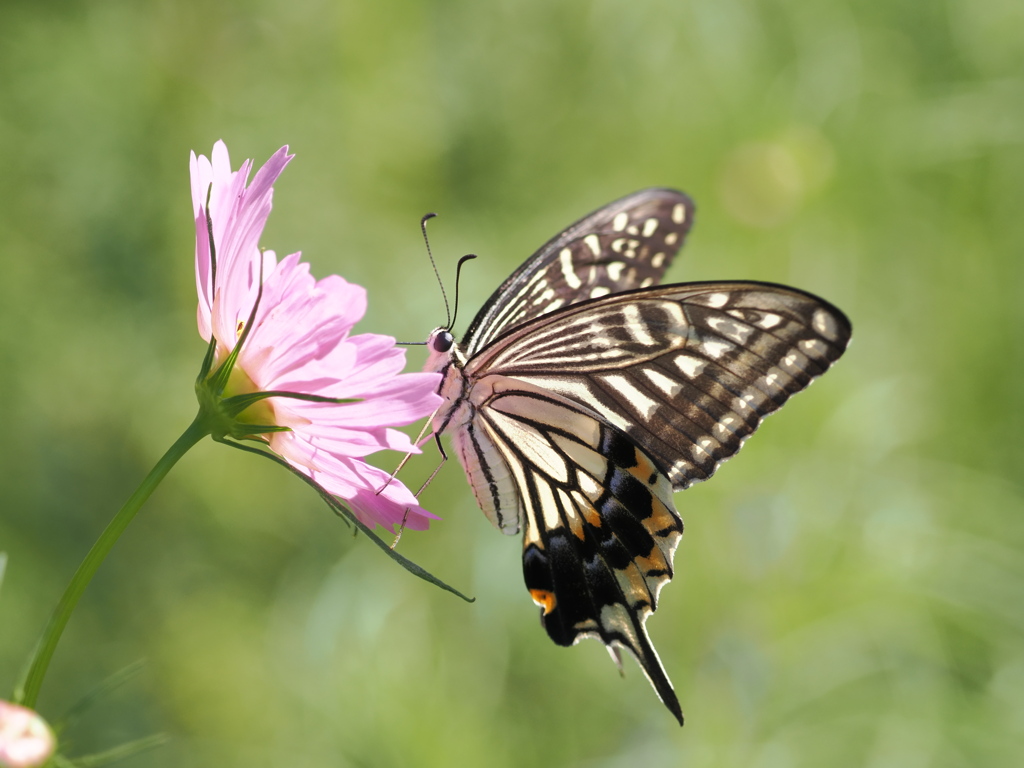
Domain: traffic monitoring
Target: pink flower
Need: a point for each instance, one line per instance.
(300, 342)
(26, 740)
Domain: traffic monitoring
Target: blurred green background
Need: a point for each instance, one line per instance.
(849, 592)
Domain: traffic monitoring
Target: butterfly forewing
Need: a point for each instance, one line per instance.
(687, 371)
(586, 395)
(624, 245)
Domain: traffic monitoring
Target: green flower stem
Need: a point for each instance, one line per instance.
(28, 690)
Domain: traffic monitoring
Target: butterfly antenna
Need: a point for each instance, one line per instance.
(458, 276)
(447, 309)
(426, 241)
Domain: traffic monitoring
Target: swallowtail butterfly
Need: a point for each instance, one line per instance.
(582, 396)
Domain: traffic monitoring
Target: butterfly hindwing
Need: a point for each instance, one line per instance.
(626, 244)
(598, 522)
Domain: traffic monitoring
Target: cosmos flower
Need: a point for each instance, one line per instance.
(26, 740)
(338, 396)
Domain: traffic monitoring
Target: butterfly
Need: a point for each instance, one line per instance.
(582, 396)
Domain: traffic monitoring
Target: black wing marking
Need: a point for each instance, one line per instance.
(626, 244)
(686, 371)
(600, 528)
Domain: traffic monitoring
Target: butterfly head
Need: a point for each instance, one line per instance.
(442, 351)
(441, 341)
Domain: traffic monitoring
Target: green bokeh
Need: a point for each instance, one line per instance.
(849, 592)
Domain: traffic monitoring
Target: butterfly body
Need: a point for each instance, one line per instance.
(582, 396)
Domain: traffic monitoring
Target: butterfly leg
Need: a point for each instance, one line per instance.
(422, 436)
(401, 529)
(429, 480)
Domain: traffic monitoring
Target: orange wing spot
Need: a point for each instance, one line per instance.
(591, 515)
(633, 584)
(572, 503)
(544, 599)
(644, 469)
(653, 562)
(661, 518)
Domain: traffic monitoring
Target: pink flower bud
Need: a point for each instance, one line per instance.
(26, 740)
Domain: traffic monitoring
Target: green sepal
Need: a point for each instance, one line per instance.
(204, 369)
(211, 348)
(243, 431)
(234, 405)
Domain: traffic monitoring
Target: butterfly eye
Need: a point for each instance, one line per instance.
(442, 341)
